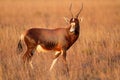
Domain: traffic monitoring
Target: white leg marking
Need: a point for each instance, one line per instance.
(57, 52)
(53, 63)
(61, 52)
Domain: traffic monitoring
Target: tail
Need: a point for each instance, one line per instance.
(19, 47)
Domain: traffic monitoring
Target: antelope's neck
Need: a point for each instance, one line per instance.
(77, 30)
(72, 36)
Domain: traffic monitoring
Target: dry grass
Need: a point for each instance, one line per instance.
(95, 56)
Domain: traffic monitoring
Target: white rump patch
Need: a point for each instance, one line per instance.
(22, 37)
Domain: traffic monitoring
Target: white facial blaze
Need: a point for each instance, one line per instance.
(72, 29)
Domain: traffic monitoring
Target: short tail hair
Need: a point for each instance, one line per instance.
(19, 47)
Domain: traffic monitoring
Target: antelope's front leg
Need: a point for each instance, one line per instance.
(65, 61)
(55, 59)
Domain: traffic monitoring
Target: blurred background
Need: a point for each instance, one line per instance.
(95, 55)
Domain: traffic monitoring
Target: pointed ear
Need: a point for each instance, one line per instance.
(80, 19)
(66, 19)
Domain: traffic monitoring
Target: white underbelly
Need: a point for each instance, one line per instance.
(40, 49)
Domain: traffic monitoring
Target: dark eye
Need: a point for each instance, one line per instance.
(72, 20)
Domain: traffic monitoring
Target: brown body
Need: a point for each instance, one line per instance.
(50, 39)
(58, 40)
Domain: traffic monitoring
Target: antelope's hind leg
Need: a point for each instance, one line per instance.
(28, 56)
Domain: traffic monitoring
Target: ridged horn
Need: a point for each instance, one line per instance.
(70, 10)
(79, 11)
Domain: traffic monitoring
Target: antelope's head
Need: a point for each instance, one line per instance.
(74, 21)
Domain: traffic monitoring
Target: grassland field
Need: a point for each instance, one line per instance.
(95, 55)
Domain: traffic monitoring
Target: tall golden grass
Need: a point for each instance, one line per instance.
(95, 55)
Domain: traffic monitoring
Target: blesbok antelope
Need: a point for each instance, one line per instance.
(58, 40)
